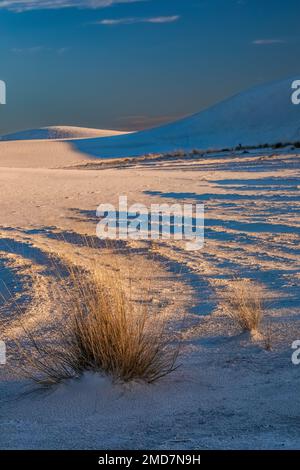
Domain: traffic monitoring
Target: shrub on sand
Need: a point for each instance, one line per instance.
(244, 303)
(105, 334)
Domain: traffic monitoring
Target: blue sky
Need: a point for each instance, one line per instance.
(130, 64)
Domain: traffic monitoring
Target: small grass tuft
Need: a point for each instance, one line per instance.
(244, 303)
(106, 334)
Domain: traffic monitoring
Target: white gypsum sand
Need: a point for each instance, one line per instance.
(231, 391)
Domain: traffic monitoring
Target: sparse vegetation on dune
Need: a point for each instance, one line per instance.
(243, 301)
(104, 333)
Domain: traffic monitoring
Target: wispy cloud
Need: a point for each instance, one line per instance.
(154, 20)
(27, 5)
(39, 49)
(163, 19)
(28, 50)
(268, 42)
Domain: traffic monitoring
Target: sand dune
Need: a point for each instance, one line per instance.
(59, 132)
(229, 392)
(38, 154)
(264, 114)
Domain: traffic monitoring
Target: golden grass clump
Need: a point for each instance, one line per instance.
(243, 301)
(104, 333)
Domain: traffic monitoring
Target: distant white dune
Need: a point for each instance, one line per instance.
(263, 115)
(59, 132)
